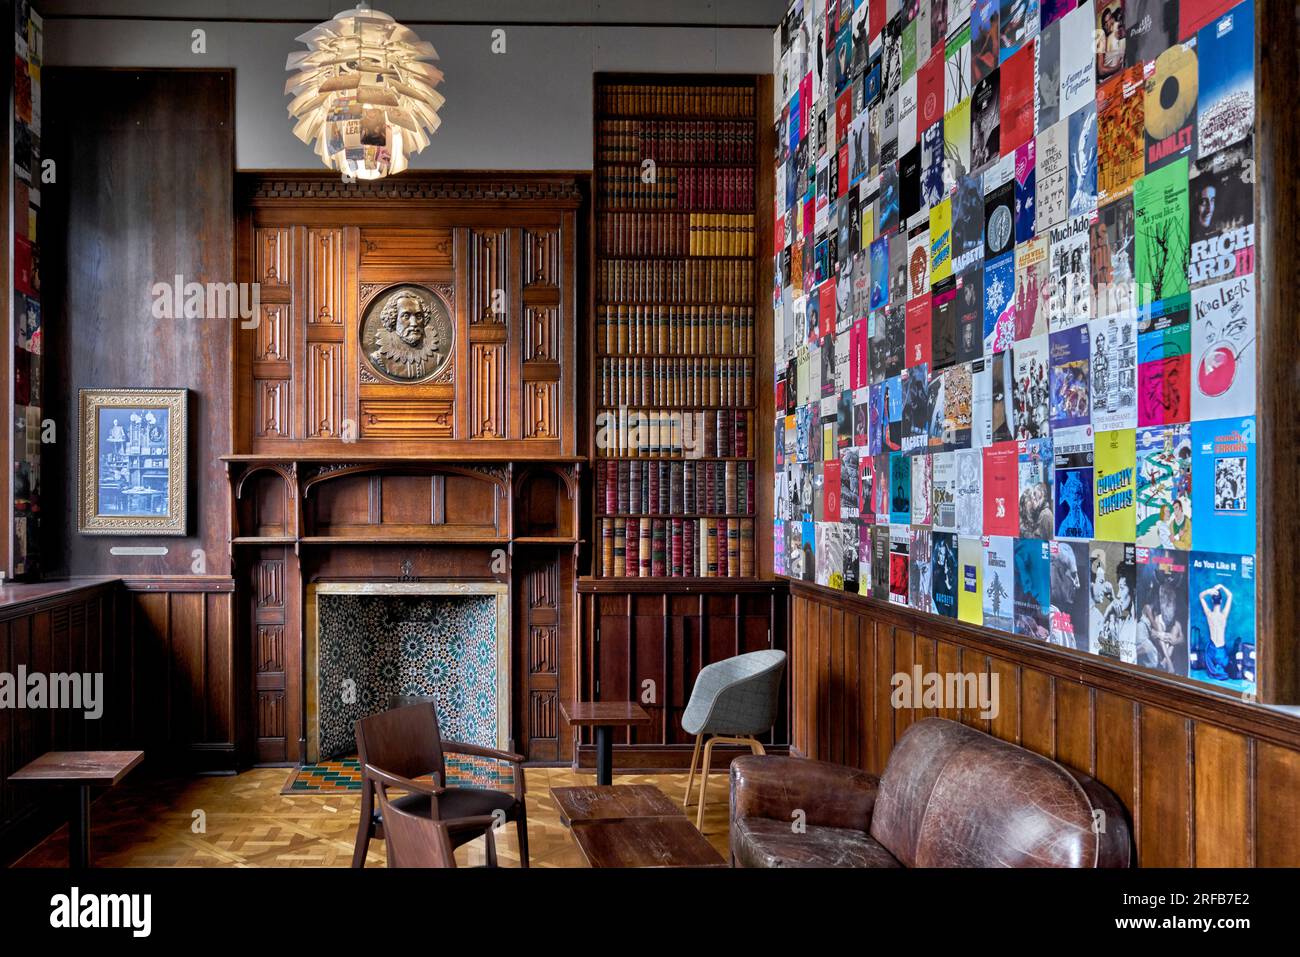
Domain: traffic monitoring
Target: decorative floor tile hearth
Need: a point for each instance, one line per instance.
(343, 775)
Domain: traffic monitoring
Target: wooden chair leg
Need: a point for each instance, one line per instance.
(365, 826)
(704, 783)
(522, 825)
(690, 778)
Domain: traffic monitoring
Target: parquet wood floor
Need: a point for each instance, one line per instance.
(244, 821)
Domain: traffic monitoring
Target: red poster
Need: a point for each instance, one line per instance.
(826, 308)
(875, 19)
(23, 267)
(859, 340)
(1016, 99)
(1194, 14)
(805, 104)
(1001, 489)
(843, 115)
(831, 491)
(842, 185)
(929, 91)
(918, 331)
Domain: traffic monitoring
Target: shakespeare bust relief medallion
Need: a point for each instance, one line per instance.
(407, 333)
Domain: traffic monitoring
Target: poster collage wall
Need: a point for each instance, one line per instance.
(1015, 318)
(26, 202)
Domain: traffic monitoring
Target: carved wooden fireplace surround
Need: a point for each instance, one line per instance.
(468, 471)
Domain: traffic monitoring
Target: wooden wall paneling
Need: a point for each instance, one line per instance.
(1276, 804)
(819, 633)
(835, 693)
(99, 123)
(1038, 711)
(851, 753)
(1277, 226)
(1206, 780)
(1117, 746)
(646, 663)
(570, 332)
(904, 659)
(886, 713)
(66, 628)
(665, 635)
(537, 677)
(1222, 826)
(1074, 725)
(1163, 833)
(271, 656)
(948, 661)
(1006, 723)
(925, 654)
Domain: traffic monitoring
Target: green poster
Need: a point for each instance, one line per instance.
(1162, 225)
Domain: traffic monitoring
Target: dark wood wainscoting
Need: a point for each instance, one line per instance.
(185, 666)
(1209, 780)
(664, 632)
(64, 627)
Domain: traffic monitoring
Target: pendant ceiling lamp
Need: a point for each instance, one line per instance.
(365, 92)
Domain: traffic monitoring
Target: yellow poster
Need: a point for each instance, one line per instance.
(970, 577)
(1115, 485)
(940, 241)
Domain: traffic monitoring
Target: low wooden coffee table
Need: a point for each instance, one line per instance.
(82, 769)
(645, 842)
(604, 716)
(585, 804)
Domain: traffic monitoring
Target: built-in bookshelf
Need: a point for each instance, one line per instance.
(677, 237)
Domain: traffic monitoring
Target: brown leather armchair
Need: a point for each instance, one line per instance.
(951, 796)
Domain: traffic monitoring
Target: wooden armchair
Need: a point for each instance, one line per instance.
(399, 746)
(417, 840)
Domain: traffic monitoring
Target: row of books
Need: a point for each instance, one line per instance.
(705, 187)
(675, 141)
(677, 547)
(675, 488)
(672, 282)
(674, 433)
(680, 330)
(627, 99)
(691, 234)
(662, 381)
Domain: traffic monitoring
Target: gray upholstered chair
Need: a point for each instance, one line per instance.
(732, 702)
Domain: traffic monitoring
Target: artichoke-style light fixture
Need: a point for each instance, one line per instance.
(364, 91)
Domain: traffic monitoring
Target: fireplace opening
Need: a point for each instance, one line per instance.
(370, 641)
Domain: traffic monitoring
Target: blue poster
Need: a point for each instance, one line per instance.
(1032, 601)
(1224, 485)
(900, 489)
(1221, 643)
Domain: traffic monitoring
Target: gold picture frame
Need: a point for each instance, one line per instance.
(133, 477)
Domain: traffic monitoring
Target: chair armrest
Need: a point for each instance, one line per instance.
(829, 795)
(477, 822)
(460, 747)
(405, 784)
(477, 750)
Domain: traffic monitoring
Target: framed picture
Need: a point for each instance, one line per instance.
(134, 477)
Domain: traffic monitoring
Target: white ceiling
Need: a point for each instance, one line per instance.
(765, 13)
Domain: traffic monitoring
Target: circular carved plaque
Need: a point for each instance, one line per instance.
(407, 334)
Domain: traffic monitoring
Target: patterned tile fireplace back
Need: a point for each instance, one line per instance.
(392, 639)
